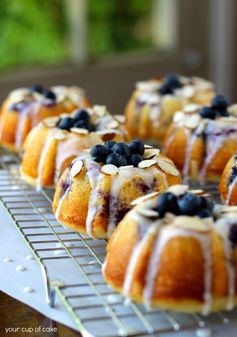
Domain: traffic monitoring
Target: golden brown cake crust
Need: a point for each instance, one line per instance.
(149, 113)
(15, 125)
(200, 147)
(110, 196)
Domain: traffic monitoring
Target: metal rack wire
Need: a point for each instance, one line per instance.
(91, 304)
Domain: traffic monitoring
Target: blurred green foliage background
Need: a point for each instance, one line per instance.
(34, 32)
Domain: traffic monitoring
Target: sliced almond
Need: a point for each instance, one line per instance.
(232, 109)
(19, 95)
(120, 118)
(51, 122)
(228, 120)
(178, 117)
(60, 135)
(125, 167)
(191, 223)
(144, 198)
(100, 110)
(79, 131)
(147, 146)
(149, 153)
(168, 167)
(147, 163)
(201, 81)
(229, 209)
(149, 86)
(188, 91)
(76, 168)
(148, 213)
(64, 114)
(193, 121)
(191, 108)
(105, 132)
(197, 191)
(184, 80)
(178, 189)
(113, 125)
(109, 169)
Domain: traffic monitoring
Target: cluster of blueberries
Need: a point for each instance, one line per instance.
(170, 84)
(217, 109)
(190, 204)
(118, 154)
(186, 204)
(41, 90)
(81, 119)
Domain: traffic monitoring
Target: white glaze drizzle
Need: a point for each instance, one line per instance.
(223, 229)
(20, 127)
(212, 150)
(94, 175)
(191, 138)
(153, 268)
(135, 257)
(61, 199)
(66, 149)
(231, 188)
(117, 184)
(43, 155)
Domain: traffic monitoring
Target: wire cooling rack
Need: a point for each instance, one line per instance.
(94, 307)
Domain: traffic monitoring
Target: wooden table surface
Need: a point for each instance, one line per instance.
(27, 321)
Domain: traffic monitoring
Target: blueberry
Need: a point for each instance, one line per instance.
(81, 114)
(219, 102)
(167, 202)
(137, 147)
(207, 112)
(49, 94)
(165, 89)
(172, 81)
(109, 145)
(99, 153)
(135, 159)
(116, 159)
(206, 204)
(37, 88)
(233, 234)
(204, 213)
(189, 204)
(65, 123)
(81, 124)
(122, 149)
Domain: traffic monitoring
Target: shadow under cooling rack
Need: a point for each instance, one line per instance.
(94, 308)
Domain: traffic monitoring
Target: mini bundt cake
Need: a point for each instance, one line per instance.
(151, 108)
(97, 189)
(25, 107)
(228, 183)
(176, 251)
(56, 141)
(202, 139)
